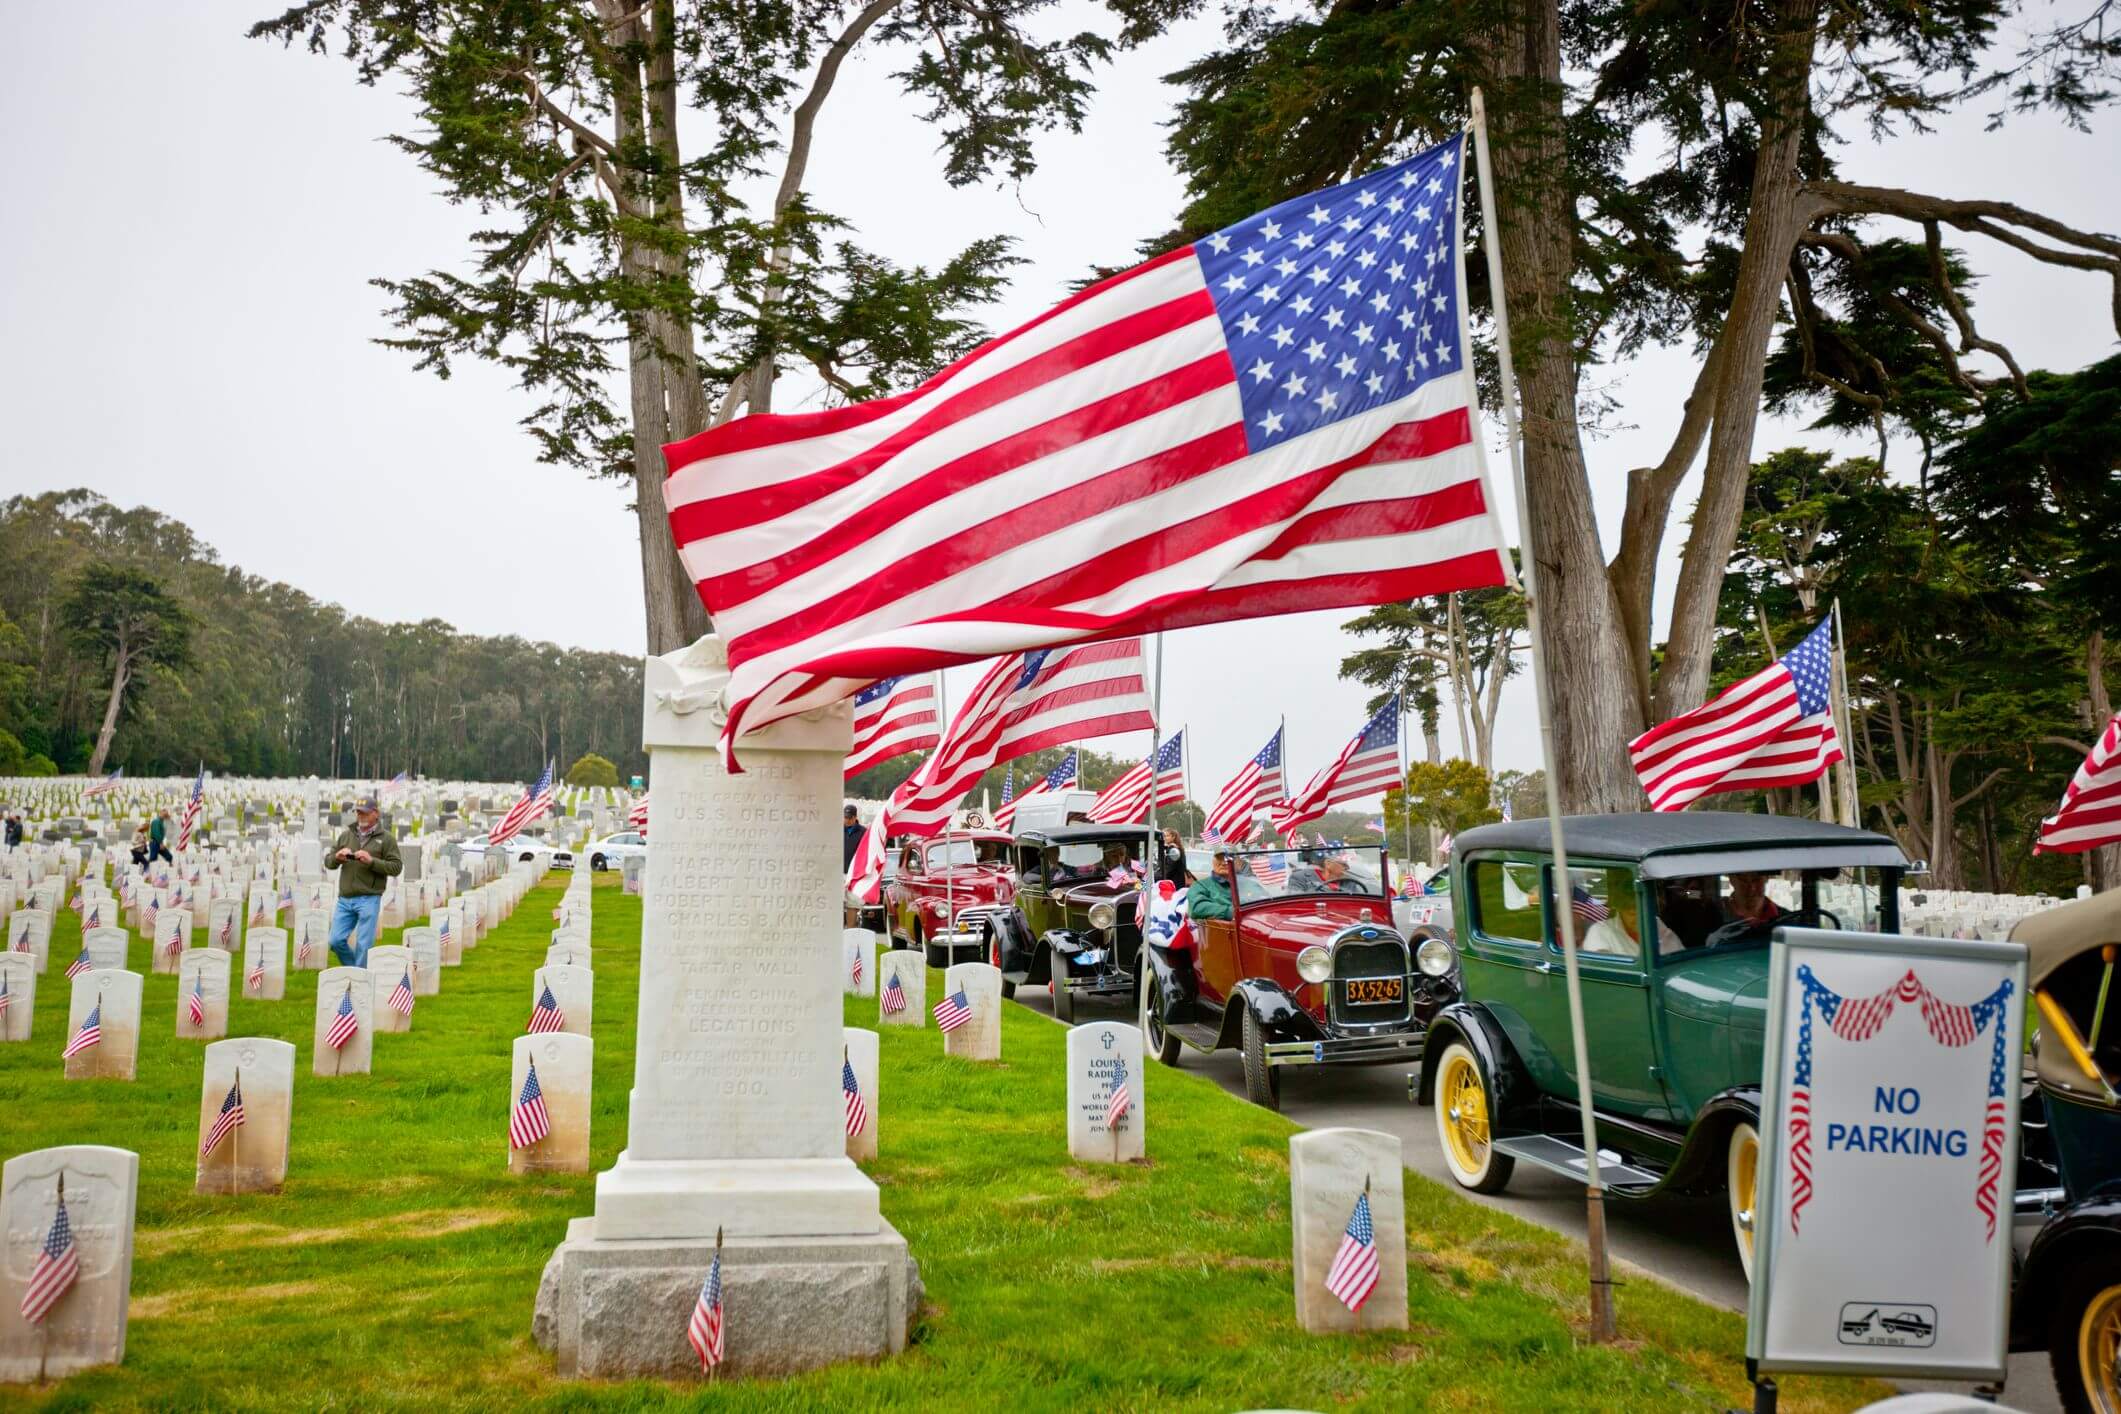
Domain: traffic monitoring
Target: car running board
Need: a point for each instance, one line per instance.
(1559, 1155)
(1197, 1034)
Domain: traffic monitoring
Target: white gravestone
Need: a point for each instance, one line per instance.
(1103, 1056)
(264, 965)
(338, 986)
(224, 925)
(172, 937)
(107, 947)
(18, 972)
(861, 1048)
(260, 908)
(981, 1037)
(1328, 1169)
(250, 1157)
(574, 988)
(910, 967)
(460, 925)
(564, 1065)
(426, 950)
(858, 967)
(569, 955)
(388, 965)
(312, 940)
(114, 997)
(736, 1123)
(87, 1326)
(30, 930)
(391, 912)
(474, 917)
(447, 937)
(205, 969)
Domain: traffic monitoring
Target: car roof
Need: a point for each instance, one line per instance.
(2053, 936)
(1095, 834)
(1696, 841)
(1001, 835)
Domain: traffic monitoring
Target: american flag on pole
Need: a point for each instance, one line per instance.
(524, 810)
(546, 1015)
(1126, 800)
(1025, 702)
(344, 1024)
(58, 1263)
(1061, 777)
(1271, 869)
(1258, 783)
(400, 998)
(7, 998)
(704, 1331)
(81, 963)
(1775, 728)
(2090, 813)
(851, 1093)
(195, 999)
(891, 718)
(857, 971)
(527, 1122)
(1119, 1099)
(1369, 763)
(105, 786)
(91, 1032)
(1353, 1275)
(953, 1011)
(188, 819)
(231, 1117)
(1276, 418)
(894, 996)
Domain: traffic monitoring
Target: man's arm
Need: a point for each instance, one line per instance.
(331, 855)
(385, 859)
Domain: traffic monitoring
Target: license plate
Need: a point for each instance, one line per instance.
(1375, 991)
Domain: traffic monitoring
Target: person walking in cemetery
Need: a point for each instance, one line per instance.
(140, 845)
(158, 837)
(366, 855)
(850, 836)
(14, 830)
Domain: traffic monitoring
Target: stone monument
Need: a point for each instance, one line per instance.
(87, 1325)
(1328, 1170)
(736, 1123)
(980, 984)
(353, 989)
(1104, 1057)
(113, 998)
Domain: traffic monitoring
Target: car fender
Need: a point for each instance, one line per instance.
(2088, 1230)
(1281, 1018)
(1157, 962)
(1702, 1165)
(1017, 949)
(1471, 1023)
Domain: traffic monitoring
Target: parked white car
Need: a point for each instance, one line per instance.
(521, 849)
(610, 851)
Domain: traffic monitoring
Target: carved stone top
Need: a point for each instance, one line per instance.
(683, 705)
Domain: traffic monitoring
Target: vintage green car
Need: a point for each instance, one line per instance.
(1674, 1030)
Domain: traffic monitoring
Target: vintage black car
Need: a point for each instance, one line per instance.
(1071, 927)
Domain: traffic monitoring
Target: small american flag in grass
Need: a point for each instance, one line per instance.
(195, 1000)
(546, 1015)
(1121, 1099)
(22, 935)
(344, 1024)
(255, 978)
(400, 999)
(90, 1034)
(894, 996)
(231, 1117)
(58, 1263)
(851, 1092)
(1353, 1275)
(705, 1330)
(953, 1011)
(858, 971)
(7, 998)
(95, 915)
(528, 1123)
(80, 964)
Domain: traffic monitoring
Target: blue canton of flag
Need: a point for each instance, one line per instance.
(1339, 303)
(1171, 753)
(875, 692)
(1063, 774)
(1811, 665)
(1009, 786)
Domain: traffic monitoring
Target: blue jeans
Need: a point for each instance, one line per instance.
(356, 914)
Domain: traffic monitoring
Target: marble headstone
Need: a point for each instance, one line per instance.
(910, 967)
(115, 997)
(426, 950)
(172, 937)
(312, 940)
(251, 1158)
(981, 1037)
(30, 930)
(1328, 1169)
(87, 1327)
(206, 970)
(569, 954)
(861, 1046)
(858, 974)
(388, 965)
(1103, 1055)
(574, 988)
(224, 925)
(339, 986)
(565, 1066)
(107, 947)
(266, 946)
(18, 971)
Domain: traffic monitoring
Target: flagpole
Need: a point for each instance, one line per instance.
(1154, 855)
(942, 717)
(1594, 1188)
(1851, 804)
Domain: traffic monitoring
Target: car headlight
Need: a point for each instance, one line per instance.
(1434, 957)
(1103, 915)
(1314, 964)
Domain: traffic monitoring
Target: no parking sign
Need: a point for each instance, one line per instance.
(1889, 1147)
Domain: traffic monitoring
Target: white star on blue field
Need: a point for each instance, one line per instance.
(1342, 301)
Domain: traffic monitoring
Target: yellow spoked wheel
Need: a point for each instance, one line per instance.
(2085, 1347)
(1743, 1188)
(1462, 1120)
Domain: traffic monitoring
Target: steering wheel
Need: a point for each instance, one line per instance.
(1743, 928)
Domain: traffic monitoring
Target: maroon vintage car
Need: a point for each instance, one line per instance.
(937, 881)
(1309, 971)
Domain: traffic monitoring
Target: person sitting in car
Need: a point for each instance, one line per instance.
(1748, 901)
(1619, 933)
(1210, 897)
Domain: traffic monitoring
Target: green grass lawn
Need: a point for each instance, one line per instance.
(398, 1268)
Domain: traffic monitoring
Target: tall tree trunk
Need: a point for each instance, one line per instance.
(121, 673)
(1582, 635)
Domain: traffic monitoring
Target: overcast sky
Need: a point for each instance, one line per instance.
(193, 219)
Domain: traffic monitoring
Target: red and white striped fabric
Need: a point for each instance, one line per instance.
(1025, 703)
(1258, 784)
(891, 718)
(638, 815)
(1197, 440)
(1775, 728)
(1126, 800)
(533, 803)
(1368, 764)
(2090, 814)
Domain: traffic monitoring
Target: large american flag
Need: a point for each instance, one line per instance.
(1368, 764)
(1126, 800)
(528, 1122)
(891, 718)
(1025, 702)
(58, 1263)
(1259, 783)
(2090, 813)
(1061, 777)
(1775, 728)
(704, 1331)
(1353, 1275)
(105, 786)
(1279, 417)
(188, 818)
(638, 815)
(535, 802)
(230, 1117)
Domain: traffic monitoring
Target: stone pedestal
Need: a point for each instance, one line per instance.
(736, 1120)
(910, 967)
(251, 1158)
(87, 1327)
(1102, 1056)
(1327, 1171)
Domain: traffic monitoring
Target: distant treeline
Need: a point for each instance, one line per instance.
(254, 677)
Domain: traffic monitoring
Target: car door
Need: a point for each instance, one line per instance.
(1216, 939)
(1503, 962)
(1618, 1030)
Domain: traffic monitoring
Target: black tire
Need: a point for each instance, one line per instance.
(596, 864)
(1161, 1043)
(2089, 1296)
(1262, 1085)
(1057, 988)
(994, 960)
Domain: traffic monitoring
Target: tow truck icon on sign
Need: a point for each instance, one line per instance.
(1888, 1323)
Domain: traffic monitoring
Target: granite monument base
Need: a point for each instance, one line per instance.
(802, 1198)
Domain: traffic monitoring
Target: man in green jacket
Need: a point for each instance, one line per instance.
(365, 854)
(1210, 897)
(158, 837)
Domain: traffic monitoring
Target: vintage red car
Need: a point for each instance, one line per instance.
(1309, 971)
(937, 881)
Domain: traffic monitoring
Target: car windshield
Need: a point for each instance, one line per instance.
(1083, 860)
(947, 852)
(1272, 874)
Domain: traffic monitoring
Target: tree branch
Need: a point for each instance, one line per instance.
(1986, 781)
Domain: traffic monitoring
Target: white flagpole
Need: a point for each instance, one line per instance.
(1154, 857)
(1564, 914)
(942, 717)
(1851, 806)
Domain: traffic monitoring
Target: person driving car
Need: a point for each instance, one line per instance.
(1748, 901)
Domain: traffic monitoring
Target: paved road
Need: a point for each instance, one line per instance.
(1686, 1242)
